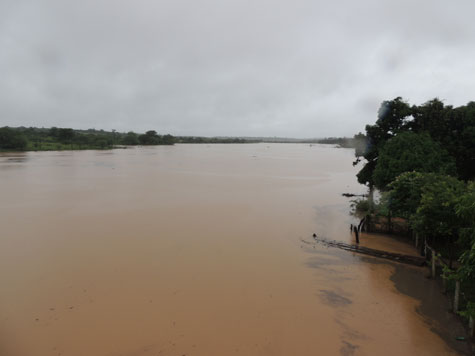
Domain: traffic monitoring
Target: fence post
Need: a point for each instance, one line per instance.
(456, 296)
(433, 263)
(355, 229)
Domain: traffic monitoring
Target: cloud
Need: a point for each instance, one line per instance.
(210, 67)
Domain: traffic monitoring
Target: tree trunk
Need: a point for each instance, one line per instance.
(355, 229)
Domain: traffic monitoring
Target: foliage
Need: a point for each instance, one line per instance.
(469, 310)
(436, 216)
(11, 139)
(361, 207)
(452, 128)
(131, 138)
(414, 153)
(465, 209)
(152, 138)
(466, 270)
(167, 140)
(408, 152)
(392, 116)
(149, 138)
(405, 192)
(65, 135)
(31, 138)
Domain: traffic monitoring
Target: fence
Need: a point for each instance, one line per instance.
(461, 292)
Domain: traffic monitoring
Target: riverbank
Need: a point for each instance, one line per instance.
(433, 304)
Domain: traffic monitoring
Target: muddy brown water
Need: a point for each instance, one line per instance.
(194, 250)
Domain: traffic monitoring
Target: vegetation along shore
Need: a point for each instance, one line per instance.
(421, 158)
(54, 139)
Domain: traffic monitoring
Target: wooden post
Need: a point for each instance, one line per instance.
(417, 240)
(456, 296)
(355, 229)
(433, 264)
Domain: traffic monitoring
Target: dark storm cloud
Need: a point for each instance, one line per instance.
(300, 68)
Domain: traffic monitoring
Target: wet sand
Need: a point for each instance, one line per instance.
(195, 250)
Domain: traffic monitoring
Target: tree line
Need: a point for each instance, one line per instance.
(39, 139)
(422, 160)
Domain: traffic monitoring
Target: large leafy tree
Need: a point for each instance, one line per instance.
(408, 152)
(149, 138)
(168, 140)
(392, 119)
(452, 128)
(131, 138)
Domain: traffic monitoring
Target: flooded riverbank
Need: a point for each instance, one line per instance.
(194, 250)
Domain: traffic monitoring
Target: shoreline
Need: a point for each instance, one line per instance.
(434, 304)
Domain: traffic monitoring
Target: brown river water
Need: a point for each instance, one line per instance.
(198, 250)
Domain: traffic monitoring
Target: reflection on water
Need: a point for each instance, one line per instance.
(192, 250)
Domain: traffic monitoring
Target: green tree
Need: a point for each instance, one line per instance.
(408, 152)
(149, 138)
(465, 210)
(453, 128)
(65, 136)
(436, 215)
(168, 140)
(11, 139)
(405, 192)
(392, 119)
(131, 138)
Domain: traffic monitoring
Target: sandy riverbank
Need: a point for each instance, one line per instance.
(425, 296)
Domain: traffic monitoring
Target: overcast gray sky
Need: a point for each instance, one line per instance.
(295, 68)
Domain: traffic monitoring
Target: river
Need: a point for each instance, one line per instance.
(195, 250)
